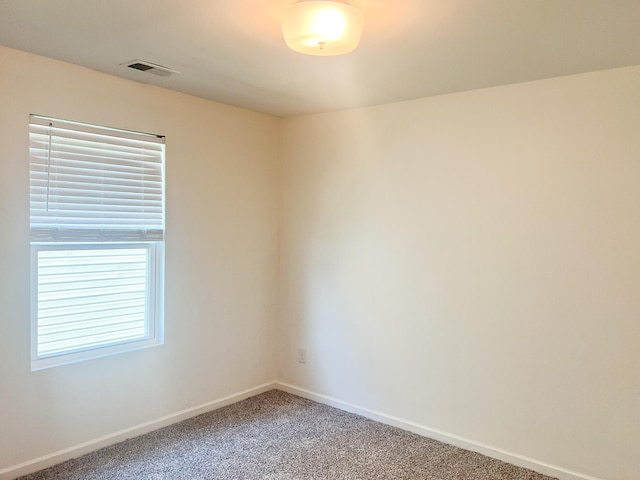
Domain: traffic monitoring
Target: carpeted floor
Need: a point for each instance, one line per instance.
(277, 436)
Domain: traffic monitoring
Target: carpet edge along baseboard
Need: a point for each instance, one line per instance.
(445, 437)
(45, 461)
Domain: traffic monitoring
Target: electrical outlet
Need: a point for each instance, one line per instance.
(302, 355)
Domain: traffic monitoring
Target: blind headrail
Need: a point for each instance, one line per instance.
(84, 127)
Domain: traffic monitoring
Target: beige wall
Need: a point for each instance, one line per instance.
(468, 263)
(471, 263)
(221, 248)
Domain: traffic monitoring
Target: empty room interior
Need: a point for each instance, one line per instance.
(436, 228)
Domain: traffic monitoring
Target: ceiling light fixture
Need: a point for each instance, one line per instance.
(322, 27)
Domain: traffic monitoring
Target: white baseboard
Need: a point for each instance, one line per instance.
(49, 460)
(509, 457)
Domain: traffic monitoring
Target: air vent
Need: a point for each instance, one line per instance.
(149, 67)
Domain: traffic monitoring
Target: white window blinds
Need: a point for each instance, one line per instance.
(94, 184)
(97, 241)
(89, 298)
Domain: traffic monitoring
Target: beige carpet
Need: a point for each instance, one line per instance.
(280, 436)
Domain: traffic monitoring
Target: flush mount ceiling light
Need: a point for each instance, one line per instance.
(322, 27)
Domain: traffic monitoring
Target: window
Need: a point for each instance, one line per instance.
(97, 241)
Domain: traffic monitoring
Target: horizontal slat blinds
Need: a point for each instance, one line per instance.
(92, 184)
(91, 298)
(97, 233)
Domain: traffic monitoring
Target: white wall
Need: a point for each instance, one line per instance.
(471, 263)
(221, 260)
(468, 262)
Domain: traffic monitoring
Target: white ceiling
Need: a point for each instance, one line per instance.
(232, 51)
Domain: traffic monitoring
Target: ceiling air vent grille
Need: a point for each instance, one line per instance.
(149, 67)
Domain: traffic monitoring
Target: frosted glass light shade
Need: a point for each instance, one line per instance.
(322, 27)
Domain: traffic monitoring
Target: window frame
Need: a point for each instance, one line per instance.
(154, 280)
(154, 320)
